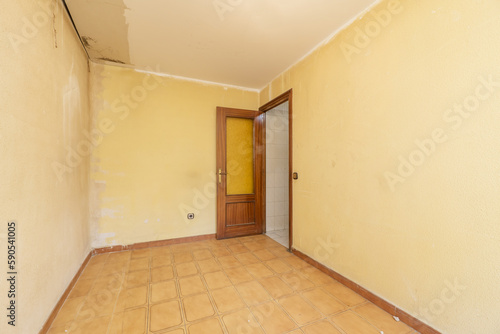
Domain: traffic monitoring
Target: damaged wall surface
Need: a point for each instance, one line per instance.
(43, 118)
(154, 158)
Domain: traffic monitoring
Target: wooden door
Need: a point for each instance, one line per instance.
(239, 172)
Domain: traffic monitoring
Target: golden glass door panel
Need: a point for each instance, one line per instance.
(240, 156)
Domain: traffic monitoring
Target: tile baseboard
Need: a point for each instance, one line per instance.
(148, 244)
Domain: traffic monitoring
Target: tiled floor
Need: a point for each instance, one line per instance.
(236, 286)
(280, 236)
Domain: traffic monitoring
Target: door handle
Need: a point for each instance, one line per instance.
(220, 174)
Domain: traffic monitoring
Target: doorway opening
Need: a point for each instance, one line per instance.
(254, 171)
(277, 174)
(278, 194)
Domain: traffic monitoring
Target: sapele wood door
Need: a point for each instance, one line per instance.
(239, 171)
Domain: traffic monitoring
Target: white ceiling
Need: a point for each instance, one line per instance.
(245, 43)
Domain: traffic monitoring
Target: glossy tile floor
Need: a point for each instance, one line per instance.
(238, 286)
(280, 236)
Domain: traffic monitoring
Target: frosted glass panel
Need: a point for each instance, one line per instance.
(239, 155)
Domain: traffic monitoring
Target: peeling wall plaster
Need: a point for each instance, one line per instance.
(103, 28)
(158, 161)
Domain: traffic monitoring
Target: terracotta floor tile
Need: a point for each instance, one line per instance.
(228, 261)
(138, 253)
(129, 322)
(160, 251)
(196, 245)
(256, 237)
(202, 254)
(316, 276)
(81, 288)
(198, 307)
(114, 268)
(232, 241)
(323, 301)
(246, 258)
(269, 243)
(253, 246)
(162, 274)
(98, 305)
(238, 248)
(91, 272)
(68, 311)
(276, 287)
(221, 251)
(163, 291)
(272, 318)
(344, 294)
(278, 266)
(139, 264)
(321, 327)
(238, 275)
(161, 261)
(199, 245)
(264, 255)
(258, 270)
(98, 259)
(191, 285)
(175, 331)
(254, 286)
(217, 280)
(136, 278)
(227, 299)
(111, 282)
(241, 322)
(295, 262)
(59, 330)
(208, 265)
(165, 315)
(95, 326)
(381, 319)
(296, 281)
(253, 293)
(203, 245)
(209, 326)
(186, 269)
(182, 257)
(119, 257)
(179, 248)
(351, 323)
(300, 311)
(131, 298)
(280, 251)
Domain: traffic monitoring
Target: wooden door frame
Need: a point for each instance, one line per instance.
(286, 96)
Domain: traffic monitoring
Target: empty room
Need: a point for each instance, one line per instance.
(250, 166)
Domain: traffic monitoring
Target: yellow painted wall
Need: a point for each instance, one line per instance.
(156, 161)
(426, 237)
(44, 111)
